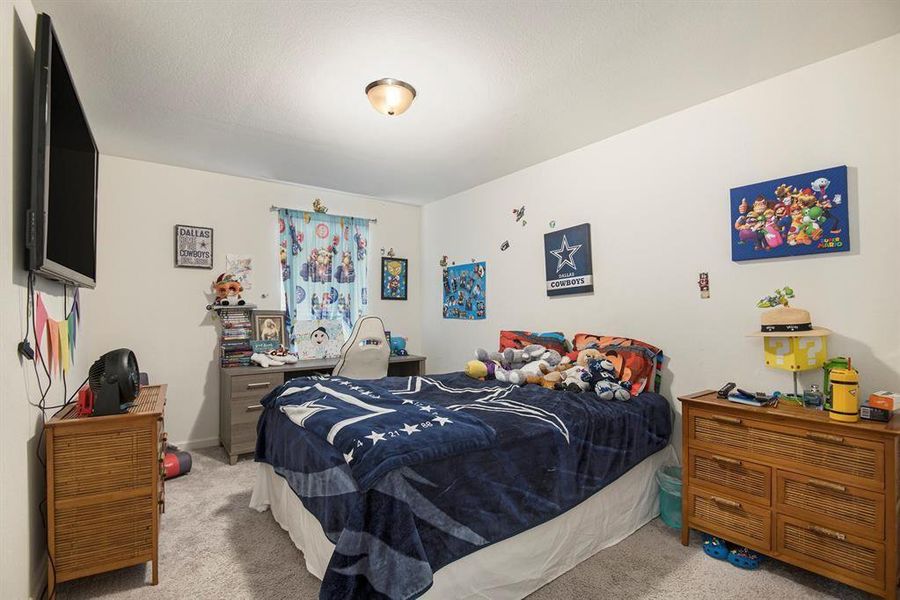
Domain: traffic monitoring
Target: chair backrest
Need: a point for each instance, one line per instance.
(366, 353)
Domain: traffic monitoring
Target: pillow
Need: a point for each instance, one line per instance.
(551, 340)
(644, 360)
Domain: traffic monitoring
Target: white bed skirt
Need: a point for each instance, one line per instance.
(512, 568)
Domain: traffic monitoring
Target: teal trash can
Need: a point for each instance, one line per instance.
(669, 479)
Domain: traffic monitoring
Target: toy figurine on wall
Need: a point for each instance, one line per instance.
(319, 207)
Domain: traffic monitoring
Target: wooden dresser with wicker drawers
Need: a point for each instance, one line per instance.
(795, 485)
(105, 489)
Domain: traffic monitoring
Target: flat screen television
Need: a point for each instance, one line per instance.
(61, 228)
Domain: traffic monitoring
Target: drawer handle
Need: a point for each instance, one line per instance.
(254, 386)
(825, 437)
(254, 407)
(725, 502)
(724, 419)
(827, 485)
(827, 532)
(726, 460)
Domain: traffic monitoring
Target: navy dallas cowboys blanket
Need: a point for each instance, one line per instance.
(408, 474)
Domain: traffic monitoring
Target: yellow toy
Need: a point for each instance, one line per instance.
(844, 392)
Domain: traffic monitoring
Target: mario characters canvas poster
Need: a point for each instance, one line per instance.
(465, 291)
(394, 278)
(791, 216)
(567, 258)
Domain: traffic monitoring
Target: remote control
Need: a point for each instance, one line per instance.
(726, 389)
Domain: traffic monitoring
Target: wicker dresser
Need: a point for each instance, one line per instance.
(105, 489)
(792, 484)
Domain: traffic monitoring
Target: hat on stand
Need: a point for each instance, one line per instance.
(788, 321)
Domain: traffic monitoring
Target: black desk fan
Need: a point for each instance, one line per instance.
(115, 380)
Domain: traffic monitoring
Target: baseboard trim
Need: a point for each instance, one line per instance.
(197, 444)
(39, 577)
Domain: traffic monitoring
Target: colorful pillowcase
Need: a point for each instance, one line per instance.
(644, 360)
(551, 340)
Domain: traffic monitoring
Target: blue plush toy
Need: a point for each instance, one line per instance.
(602, 378)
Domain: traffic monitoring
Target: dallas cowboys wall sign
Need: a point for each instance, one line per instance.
(567, 257)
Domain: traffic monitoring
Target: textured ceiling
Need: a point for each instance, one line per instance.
(275, 90)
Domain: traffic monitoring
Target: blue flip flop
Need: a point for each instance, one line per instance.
(744, 558)
(715, 547)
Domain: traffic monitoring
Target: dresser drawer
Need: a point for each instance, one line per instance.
(255, 386)
(733, 476)
(730, 518)
(852, 459)
(245, 410)
(831, 551)
(850, 509)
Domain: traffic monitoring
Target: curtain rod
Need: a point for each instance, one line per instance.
(274, 208)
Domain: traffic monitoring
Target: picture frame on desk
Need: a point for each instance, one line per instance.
(269, 325)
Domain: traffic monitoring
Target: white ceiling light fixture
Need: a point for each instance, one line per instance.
(390, 96)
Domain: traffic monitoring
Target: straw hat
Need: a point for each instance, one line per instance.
(787, 321)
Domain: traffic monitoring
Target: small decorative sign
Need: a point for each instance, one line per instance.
(567, 258)
(193, 246)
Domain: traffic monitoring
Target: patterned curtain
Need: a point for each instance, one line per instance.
(324, 271)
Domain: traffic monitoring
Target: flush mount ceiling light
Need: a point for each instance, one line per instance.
(390, 96)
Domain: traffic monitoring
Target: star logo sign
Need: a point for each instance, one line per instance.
(565, 250)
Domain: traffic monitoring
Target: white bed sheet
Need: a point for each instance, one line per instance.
(512, 568)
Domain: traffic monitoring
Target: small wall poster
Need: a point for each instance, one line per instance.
(791, 216)
(193, 246)
(465, 291)
(394, 278)
(318, 338)
(567, 258)
(240, 266)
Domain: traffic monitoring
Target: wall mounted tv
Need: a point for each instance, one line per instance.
(61, 228)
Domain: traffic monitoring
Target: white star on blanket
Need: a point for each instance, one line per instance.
(375, 437)
(410, 429)
(348, 456)
(442, 420)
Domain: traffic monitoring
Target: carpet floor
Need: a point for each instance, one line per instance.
(212, 546)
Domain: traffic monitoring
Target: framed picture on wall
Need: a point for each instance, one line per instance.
(268, 325)
(193, 246)
(394, 278)
(567, 261)
(791, 216)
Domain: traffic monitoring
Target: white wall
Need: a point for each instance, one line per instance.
(657, 200)
(144, 303)
(22, 548)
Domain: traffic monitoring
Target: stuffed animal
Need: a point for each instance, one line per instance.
(575, 379)
(228, 291)
(587, 355)
(602, 378)
(478, 369)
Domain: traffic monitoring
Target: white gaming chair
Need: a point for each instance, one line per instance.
(365, 354)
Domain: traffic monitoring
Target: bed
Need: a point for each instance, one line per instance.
(448, 487)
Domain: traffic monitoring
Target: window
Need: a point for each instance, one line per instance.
(324, 271)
